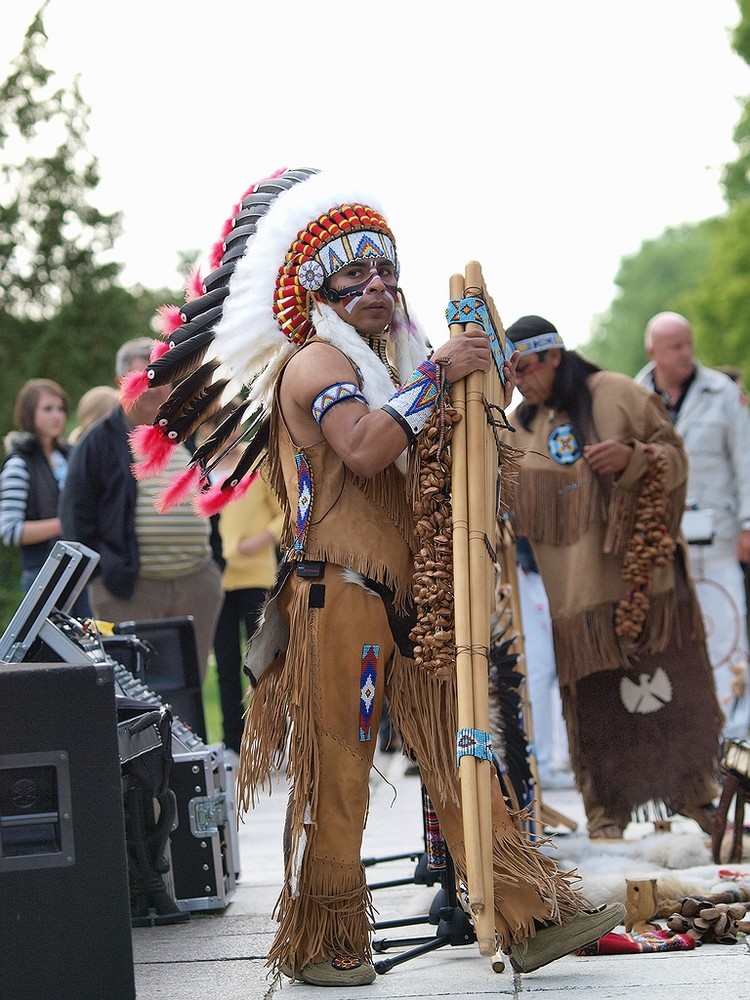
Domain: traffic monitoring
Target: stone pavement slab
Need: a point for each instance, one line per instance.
(221, 955)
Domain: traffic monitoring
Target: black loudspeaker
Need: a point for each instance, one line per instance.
(64, 902)
(171, 665)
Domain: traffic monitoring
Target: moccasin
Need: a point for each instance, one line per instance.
(556, 940)
(339, 971)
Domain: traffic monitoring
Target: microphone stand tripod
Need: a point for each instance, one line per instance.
(453, 924)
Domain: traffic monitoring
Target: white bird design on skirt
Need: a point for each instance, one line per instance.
(648, 695)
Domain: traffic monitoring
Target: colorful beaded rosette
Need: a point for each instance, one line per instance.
(339, 236)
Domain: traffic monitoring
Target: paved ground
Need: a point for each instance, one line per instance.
(221, 955)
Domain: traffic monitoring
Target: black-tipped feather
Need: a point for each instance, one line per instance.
(219, 278)
(239, 233)
(235, 252)
(196, 307)
(181, 397)
(180, 360)
(507, 683)
(214, 442)
(249, 216)
(259, 201)
(251, 455)
(204, 321)
(198, 409)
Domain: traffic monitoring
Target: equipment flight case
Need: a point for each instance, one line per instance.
(203, 850)
(203, 846)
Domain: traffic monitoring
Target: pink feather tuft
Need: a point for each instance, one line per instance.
(211, 501)
(132, 387)
(217, 252)
(170, 319)
(244, 485)
(159, 349)
(194, 284)
(179, 489)
(153, 447)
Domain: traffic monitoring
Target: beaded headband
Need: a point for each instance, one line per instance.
(539, 342)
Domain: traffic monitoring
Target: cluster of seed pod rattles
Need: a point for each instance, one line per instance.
(433, 633)
(650, 545)
(712, 923)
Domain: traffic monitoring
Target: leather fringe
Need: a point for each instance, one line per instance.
(264, 736)
(266, 728)
(622, 514)
(387, 490)
(433, 728)
(603, 650)
(517, 861)
(330, 915)
(554, 516)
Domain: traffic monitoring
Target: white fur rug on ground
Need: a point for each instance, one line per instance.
(680, 861)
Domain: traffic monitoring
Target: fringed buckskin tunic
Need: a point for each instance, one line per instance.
(333, 642)
(642, 717)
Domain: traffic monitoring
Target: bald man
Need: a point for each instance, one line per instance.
(710, 413)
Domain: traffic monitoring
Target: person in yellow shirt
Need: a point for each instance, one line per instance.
(250, 530)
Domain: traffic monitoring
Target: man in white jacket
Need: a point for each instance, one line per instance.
(710, 413)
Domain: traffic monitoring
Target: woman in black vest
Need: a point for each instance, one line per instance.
(33, 474)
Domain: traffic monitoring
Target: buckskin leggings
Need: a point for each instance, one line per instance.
(334, 679)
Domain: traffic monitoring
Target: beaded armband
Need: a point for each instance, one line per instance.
(335, 393)
(414, 402)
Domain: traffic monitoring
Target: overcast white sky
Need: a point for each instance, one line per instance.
(544, 139)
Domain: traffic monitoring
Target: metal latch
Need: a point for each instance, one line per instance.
(206, 814)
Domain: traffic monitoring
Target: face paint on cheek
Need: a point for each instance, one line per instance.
(349, 296)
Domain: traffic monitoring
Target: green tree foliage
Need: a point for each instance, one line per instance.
(62, 312)
(660, 275)
(736, 179)
(719, 305)
(51, 238)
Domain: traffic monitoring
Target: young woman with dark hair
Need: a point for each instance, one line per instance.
(33, 474)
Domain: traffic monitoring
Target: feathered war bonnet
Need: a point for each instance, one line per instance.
(240, 325)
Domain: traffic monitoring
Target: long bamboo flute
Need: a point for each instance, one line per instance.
(481, 452)
(472, 649)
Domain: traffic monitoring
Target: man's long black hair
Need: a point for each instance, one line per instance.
(570, 394)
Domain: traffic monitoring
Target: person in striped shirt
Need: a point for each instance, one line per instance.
(151, 565)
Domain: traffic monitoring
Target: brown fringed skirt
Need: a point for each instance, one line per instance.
(645, 740)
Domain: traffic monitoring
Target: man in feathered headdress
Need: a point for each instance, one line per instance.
(303, 308)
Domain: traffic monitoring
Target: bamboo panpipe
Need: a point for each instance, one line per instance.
(474, 498)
